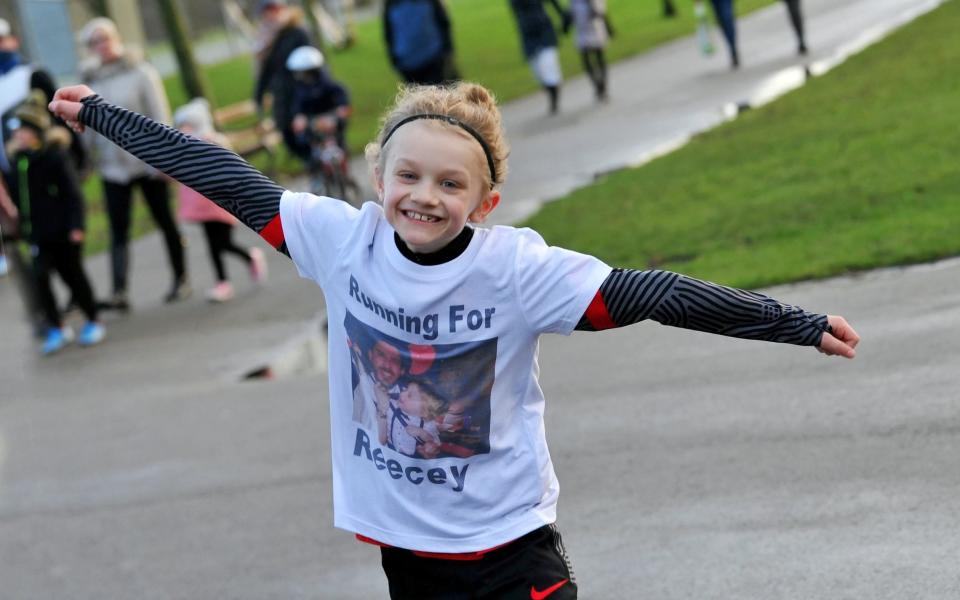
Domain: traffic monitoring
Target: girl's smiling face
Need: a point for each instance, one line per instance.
(434, 180)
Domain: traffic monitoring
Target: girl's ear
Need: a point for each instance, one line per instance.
(487, 204)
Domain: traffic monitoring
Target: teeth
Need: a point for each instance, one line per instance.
(420, 217)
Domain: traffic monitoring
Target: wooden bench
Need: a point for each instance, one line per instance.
(247, 134)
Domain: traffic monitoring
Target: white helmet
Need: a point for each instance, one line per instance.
(305, 58)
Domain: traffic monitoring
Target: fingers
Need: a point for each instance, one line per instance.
(66, 104)
(831, 346)
(842, 339)
(843, 331)
(73, 93)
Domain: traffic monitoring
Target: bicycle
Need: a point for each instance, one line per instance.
(327, 166)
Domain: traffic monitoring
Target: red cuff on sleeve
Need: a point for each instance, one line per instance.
(598, 315)
(273, 232)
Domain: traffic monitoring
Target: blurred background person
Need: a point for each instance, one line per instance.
(124, 79)
(723, 11)
(539, 41)
(592, 28)
(281, 32)
(417, 36)
(17, 79)
(796, 21)
(194, 118)
(319, 104)
(45, 190)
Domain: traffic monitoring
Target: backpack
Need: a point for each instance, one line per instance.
(416, 36)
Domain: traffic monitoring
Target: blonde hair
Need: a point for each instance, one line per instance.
(469, 103)
(99, 24)
(433, 404)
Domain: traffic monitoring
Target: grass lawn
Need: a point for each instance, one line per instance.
(488, 50)
(855, 170)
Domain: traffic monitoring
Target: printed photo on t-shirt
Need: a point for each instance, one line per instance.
(424, 401)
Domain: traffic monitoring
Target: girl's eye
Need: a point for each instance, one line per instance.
(449, 183)
(406, 175)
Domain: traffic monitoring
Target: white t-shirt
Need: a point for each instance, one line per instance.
(467, 331)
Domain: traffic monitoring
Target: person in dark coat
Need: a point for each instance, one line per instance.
(17, 78)
(281, 33)
(45, 191)
(417, 36)
(539, 40)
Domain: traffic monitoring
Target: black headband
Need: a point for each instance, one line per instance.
(451, 121)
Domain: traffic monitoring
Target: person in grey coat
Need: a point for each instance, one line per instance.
(134, 84)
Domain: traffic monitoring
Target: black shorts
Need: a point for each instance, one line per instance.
(534, 566)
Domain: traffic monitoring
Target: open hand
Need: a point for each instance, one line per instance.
(842, 340)
(66, 104)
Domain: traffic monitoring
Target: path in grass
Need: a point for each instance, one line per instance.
(488, 51)
(855, 170)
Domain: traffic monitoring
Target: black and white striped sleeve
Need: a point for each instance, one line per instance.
(211, 170)
(629, 296)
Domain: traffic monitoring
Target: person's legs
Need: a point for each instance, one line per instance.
(586, 57)
(43, 265)
(213, 231)
(244, 254)
(155, 193)
(595, 66)
(796, 20)
(68, 260)
(57, 336)
(723, 10)
(69, 264)
(535, 565)
(546, 67)
(218, 239)
(118, 212)
(601, 61)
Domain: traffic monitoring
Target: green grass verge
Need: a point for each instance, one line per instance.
(856, 170)
(487, 49)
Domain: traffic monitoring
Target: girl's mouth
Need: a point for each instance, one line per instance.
(420, 217)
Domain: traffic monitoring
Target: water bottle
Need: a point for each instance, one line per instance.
(704, 39)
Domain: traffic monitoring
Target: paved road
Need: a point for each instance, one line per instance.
(692, 466)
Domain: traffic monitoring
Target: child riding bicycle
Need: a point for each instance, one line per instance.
(321, 109)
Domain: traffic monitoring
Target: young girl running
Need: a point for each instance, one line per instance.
(466, 306)
(592, 27)
(194, 118)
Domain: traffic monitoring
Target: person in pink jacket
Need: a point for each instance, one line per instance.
(194, 118)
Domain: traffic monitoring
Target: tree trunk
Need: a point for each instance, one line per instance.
(190, 73)
(313, 24)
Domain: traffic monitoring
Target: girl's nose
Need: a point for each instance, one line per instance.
(424, 193)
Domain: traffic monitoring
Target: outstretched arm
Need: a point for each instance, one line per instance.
(211, 170)
(627, 296)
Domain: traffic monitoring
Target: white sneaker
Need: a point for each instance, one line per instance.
(221, 292)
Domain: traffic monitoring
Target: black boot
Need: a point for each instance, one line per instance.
(553, 92)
